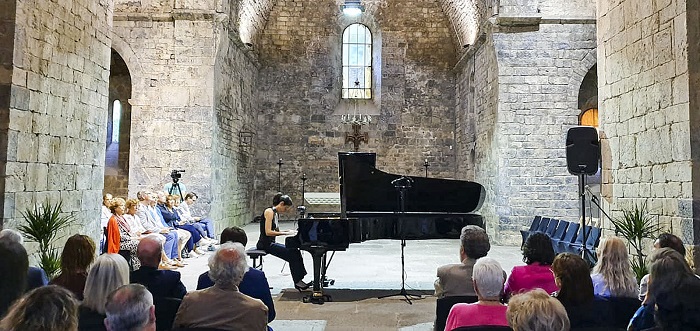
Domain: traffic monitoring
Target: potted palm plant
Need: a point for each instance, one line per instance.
(43, 224)
(635, 225)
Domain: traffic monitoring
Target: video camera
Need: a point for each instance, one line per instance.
(176, 175)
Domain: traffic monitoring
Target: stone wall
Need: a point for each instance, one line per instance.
(234, 129)
(58, 107)
(8, 10)
(519, 154)
(178, 58)
(476, 116)
(644, 82)
(299, 92)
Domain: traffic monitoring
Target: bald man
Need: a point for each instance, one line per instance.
(222, 306)
(161, 283)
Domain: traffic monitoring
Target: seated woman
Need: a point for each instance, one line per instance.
(172, 218)
(269, 230)
(585, 310)
(538, 256)
(536, 311)
(138, 231)
(673, 298)
(76, 258)
(109, 272)
(48, 308)
(254, 283)
(612, 276)
(119, 233)
(488, 284)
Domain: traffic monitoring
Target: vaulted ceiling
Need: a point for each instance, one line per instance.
(464, 15)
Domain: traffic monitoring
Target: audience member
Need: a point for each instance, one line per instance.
(222, 306)
(137, 230)
(118, 233)
(161, 283)
(584, 308)
(184, 236)
(48, 308)
(206, 224)
(674, 294)
(662, 241)
(612, 275)
(76, 258)
(109, 272)
(254, 283)
(538, 255)
(13, 268)
(172, 218)
(130, 308)
(536, 311)
(488, 283)
(36, 277)
(456, 279)
(106, 213)
(150, 221)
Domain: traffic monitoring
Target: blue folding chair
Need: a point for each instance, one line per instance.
(533, 227)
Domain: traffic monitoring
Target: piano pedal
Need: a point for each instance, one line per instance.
(328, 282)
(317, 298)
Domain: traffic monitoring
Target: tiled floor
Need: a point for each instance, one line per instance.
(369, 265)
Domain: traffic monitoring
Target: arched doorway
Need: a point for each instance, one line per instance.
(116, 176)
(588, 116)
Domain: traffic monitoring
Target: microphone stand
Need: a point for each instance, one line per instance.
(595, 201)
(402, 184)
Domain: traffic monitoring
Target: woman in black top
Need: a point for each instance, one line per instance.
(269, 230)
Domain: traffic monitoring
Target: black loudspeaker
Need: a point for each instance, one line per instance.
(582, 150)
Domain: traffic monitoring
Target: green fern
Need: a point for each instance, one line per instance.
(635, 225)
(43, 224)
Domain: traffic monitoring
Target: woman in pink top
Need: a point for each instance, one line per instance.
(488, 284)
(538, 254)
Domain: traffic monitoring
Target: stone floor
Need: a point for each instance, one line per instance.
(371, 268)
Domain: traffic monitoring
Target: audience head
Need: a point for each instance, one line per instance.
(234, 234)
(538, 249)
(572, 276)
(487, 276)
(14, 265)
(670, 241)
(78, 254)
(161, 196)
(228, 265)
(536, 311)
(132, 205)
(614, 265)
(144, 196)
(474, 242)
(675, 290)
(46, 308)
(130, 308)
(108, 273)
(171, 200)
(191, 198)
(12, 235)
(116, 204)
(107, 200)
(149, 251)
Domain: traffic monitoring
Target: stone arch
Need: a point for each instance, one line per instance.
(117, 146)
(128, 55)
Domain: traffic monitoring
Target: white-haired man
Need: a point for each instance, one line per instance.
(222, 306)
(130, 308)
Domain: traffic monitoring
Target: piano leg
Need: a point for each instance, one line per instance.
(317, 295)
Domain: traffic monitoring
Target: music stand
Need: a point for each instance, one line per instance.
(402, 184)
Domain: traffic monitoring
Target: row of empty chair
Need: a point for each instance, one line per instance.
(566, 236)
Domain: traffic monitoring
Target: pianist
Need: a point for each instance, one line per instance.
(269, 230)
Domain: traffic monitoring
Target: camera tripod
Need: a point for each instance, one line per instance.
(176, 186)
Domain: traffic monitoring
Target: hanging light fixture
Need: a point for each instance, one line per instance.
(352, 8)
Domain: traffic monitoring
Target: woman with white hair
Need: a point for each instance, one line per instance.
(488, 280)
(109, 272)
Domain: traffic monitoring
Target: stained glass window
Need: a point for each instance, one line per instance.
(357, 62)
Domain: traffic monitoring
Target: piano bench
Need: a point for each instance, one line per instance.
(256, 254)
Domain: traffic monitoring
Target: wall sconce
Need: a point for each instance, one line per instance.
(352, 8)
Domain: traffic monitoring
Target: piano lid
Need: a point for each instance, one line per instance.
(365, 189)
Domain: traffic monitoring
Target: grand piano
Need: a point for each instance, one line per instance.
(380, 205)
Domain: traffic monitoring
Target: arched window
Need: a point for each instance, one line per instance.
(116, 118)
(357, 62)
(589, 117)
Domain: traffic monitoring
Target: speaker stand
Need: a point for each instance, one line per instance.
(582, 196)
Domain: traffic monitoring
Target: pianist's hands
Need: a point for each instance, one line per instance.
(290, 232)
